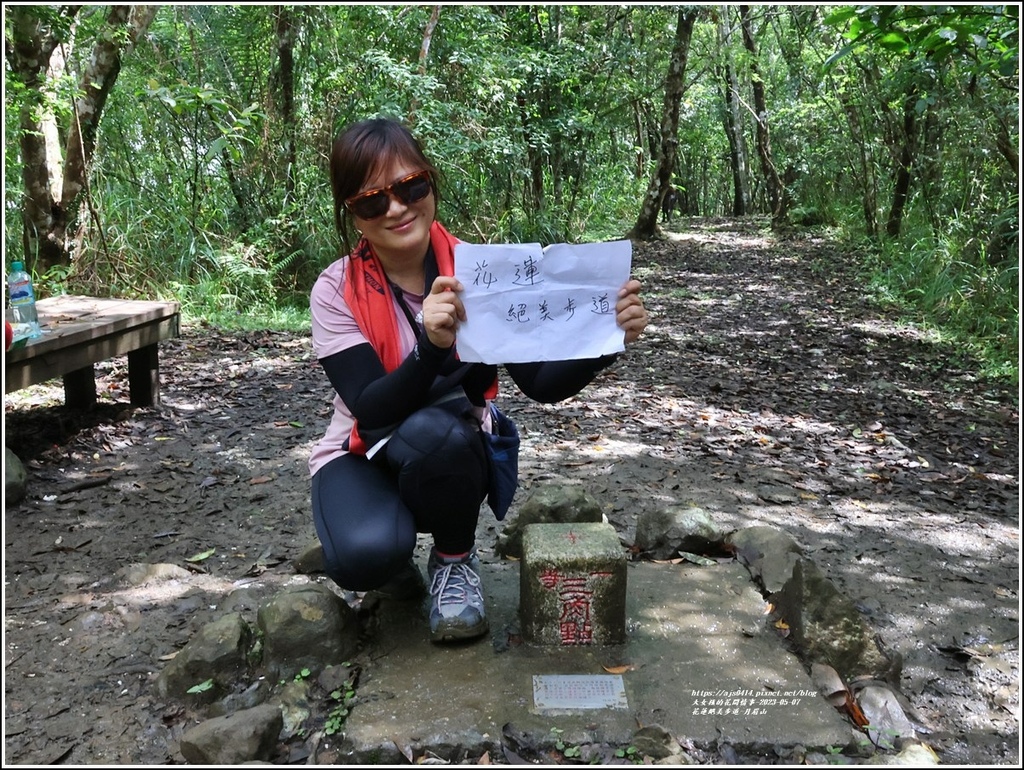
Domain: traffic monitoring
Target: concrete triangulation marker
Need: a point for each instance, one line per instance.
(572, 585)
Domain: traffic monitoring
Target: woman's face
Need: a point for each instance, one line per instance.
(403, 233)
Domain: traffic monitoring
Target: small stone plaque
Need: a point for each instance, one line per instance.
(574, 692)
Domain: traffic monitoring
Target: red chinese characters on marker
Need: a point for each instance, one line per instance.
(575, 598)
(549, 578)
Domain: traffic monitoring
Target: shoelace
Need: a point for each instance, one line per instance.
(452, 582)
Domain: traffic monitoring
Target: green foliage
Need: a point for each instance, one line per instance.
(984, 36)
(958, 289)
(632, 753)
(341, 706)
(569, 751)
(545, 121)
(835, 755)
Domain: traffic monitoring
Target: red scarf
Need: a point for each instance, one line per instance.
(369, 297)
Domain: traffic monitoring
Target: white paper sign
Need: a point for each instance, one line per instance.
(524, 303)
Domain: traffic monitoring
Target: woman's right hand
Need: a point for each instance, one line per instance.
(443, 310)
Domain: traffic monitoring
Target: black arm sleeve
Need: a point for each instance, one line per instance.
(378, 399)
(551, 381)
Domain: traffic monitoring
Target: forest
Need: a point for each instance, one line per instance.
(179, 151)
(823, 208)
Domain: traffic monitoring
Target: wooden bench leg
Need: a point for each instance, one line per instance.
(80, 388)
(144, 376)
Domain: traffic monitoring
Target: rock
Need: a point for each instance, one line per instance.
(248, 598)
(676, 759)
(817, 758)
(825, 627)
(311, 560)
(15, 479)
(334, 678)
(554, 503)
(306, 626)
(251, 697)
(888, 726)
(768, 554)
(664, 532)
(772, 493)
(654, 741)
(245, 736)
(829, 684)
(916, 755)
(295, 708)
(218, 652)
(869, 606)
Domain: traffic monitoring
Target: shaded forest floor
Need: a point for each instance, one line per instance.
(767, 390)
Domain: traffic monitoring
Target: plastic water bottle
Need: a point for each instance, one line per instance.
(23, 298)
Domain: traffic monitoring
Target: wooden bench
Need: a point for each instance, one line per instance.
(79, 332)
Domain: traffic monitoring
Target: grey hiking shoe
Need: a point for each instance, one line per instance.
(456, 598)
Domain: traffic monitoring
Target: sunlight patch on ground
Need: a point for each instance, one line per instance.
(714, 238)
(691, 237)
(747, 331)
(657, 408)
(601, 447)
(883, 328)
(680, 338)
(185, 406)
(958, 543)
(49, 393)
(620, 395)
(885, 572)
(163, 591)
(939, 533)
(154, 592)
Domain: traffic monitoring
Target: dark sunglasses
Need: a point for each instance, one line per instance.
(375, 203)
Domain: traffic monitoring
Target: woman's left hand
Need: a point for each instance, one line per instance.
(630, 314)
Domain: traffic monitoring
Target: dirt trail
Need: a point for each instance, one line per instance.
(767, 389)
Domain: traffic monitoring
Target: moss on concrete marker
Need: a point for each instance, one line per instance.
(572, 585)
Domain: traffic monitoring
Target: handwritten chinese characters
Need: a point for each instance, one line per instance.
(524, 303)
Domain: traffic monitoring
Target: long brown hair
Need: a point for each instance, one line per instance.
(359, 152)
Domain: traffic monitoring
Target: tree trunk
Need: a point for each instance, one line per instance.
(50, 209)
(33, 42)
(534, 195)
(905, 160)
(638, 125)
(867, 177)
(428, 37)
(733, 122)
(1007, 149)
(286, 58)
(764, 147)
(647, 222)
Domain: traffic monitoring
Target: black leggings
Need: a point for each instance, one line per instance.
(432, 478)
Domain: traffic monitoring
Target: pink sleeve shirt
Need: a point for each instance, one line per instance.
(334, 330)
